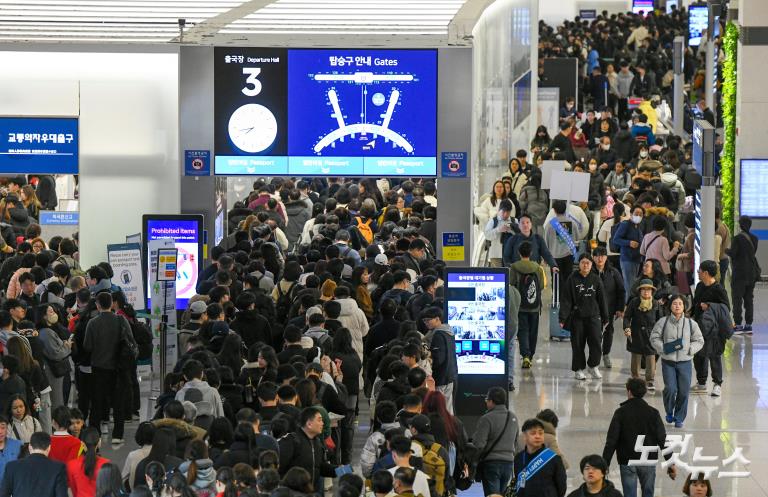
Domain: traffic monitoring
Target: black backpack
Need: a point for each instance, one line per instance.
(284, 301)
(530, 292)
(611, 244)
(143, 337)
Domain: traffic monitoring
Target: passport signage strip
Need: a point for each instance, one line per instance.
(307, 112)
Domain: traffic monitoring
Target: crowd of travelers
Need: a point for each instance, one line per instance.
(328, 294)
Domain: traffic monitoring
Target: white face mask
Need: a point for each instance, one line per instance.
(643, 154)
(606, 147)
(637, 219)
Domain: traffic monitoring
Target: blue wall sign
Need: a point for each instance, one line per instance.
(48, 218)
(197, 163)
(454, 165)
(39, 145)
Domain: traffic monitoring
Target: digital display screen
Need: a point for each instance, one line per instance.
(522, 88)
(187, 237)
(645, 6)
(476, 304)
(753, 200)
(325, 112)
(698, 19)
(39, 145)
(218, 233)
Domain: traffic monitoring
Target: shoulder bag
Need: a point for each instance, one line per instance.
(479, 472)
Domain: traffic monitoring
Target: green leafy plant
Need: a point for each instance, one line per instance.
(728, 109)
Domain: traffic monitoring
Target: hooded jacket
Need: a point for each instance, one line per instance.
(373, 446)
(353, 318)
(298, 215)
(550, 440)
(619, 182)
(716, 327)
(205, 481)
(183, 431)
(442, 345)
(671, 181)
(394, 390)
(522, 267)
(210, 395)
(252, 327)
(579, 225)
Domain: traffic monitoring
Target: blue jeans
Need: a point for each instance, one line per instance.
(496, 476)
(629, 272)
(677, 385)
(527, 332)
(631, 474)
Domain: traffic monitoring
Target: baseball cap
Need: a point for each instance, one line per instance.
(421, 423)
(381, 260)
(220, 328)
(197, 307)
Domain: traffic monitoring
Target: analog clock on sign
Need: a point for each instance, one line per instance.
(252, 128)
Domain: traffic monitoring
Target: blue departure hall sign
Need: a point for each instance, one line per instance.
(325, 112)
(39, 145)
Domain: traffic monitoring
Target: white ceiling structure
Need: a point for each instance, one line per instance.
(339, 23)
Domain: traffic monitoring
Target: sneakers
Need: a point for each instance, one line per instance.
(117, 441)
(716, 391)
(670, 419)
(104, 428)
(607, 361)
(580, 375)
(595, 372)
(678, 424)
(742, 329)
(527, 363)
(748, 329)
(699, 388)
(651, 387)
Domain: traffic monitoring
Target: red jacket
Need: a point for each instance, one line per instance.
(65, 448)
(81, 485)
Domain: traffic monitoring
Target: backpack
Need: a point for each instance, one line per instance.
(434, 466)
(365, 229)
(284, 301)
(530, 292)
(126, 354)
(611, 243)
(341, 391)
(143, 337)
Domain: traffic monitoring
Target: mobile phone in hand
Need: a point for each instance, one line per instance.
(343, 470)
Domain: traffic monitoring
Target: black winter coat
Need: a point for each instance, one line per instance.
(641, 324)
(742, 253)
(297, 449)
(252, 327)
(633, 417)
(549, 481)
(613, 285)
(608, 490)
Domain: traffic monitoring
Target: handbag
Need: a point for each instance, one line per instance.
(479, 472)
(674, 345)
(59, 368)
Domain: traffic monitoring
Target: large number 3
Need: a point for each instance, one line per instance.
(252, 80)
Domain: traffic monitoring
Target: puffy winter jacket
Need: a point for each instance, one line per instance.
(353, 318)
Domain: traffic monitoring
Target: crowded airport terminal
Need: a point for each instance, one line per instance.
(515, 250)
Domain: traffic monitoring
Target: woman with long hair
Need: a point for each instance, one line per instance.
(21, 422)
(360, 280)
(108, 482)
(605, 234)
(261, 366)
(198, 468)
(154, 477)
(226, 486)
(231, 353)
(176, 486)
(447, 429)
(38, 388)
(306, 390)
(220, 437)
(348, 361)
(143, 438)
(242, 450)
(163, 450)
(541, 140)
(56, 353)
(82, 472)
(298, 480)
(489, 207)
(518, 176)
(30, 201)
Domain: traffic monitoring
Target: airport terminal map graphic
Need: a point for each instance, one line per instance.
(362, 103)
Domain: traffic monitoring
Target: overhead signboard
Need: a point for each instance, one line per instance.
(336, 112)
(39, 145)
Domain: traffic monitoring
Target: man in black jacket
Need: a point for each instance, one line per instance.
(35, 475)
(707, 292)
(562, 143)
(613, 284)
(745, 275)
(442, 344)
(583, 311)
(533, 478)
(633, 418)
(304, 448)
(249, 323)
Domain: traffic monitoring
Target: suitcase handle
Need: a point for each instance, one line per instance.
(555, 289)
